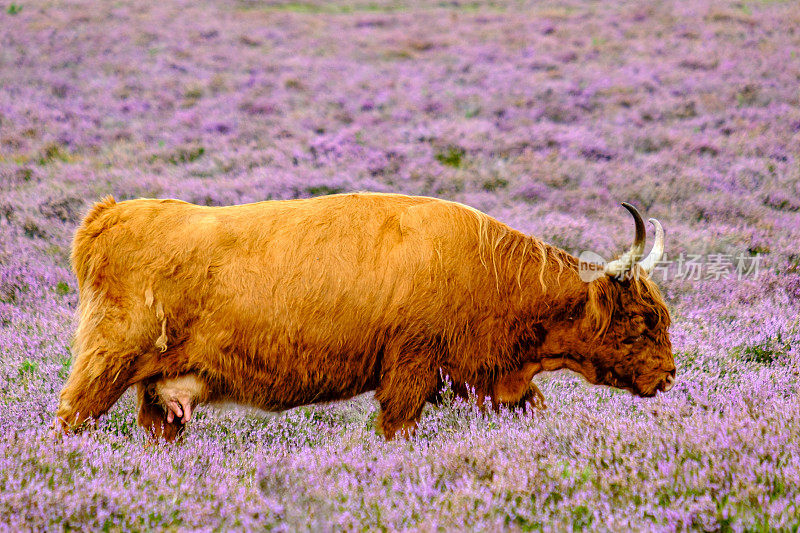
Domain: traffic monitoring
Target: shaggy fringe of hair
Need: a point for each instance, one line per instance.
(498, 240)
(604, 294)
(501, 248)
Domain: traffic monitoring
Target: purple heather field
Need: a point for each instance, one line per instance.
(545, 115)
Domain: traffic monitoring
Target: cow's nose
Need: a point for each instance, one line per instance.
(668, 383)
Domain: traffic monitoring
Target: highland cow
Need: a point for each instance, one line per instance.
(279, 304)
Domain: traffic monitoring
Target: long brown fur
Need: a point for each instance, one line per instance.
(284, 303)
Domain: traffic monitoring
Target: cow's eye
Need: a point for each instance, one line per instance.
(633, 339)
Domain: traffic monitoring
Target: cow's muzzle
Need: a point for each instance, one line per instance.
(668, 382)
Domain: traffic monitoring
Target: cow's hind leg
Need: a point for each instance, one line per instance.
(109, 357)
(99, 376)
(402, 393)
(152, 415)
(166, 404)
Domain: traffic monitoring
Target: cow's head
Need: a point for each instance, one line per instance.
(625, 321)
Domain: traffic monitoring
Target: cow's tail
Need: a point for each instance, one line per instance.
(100, 217)
(92, 247)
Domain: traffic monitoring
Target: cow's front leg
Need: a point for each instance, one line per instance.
(533, 397)
(404, 387)
(517, 390)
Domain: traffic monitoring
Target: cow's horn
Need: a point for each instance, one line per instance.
(652, 259)
(622, 265)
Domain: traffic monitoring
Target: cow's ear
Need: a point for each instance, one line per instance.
(600, 304)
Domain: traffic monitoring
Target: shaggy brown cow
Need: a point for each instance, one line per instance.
(285, 303)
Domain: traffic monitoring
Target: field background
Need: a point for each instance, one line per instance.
(545, 115)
